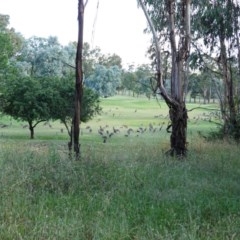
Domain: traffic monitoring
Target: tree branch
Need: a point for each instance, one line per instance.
(66, 126)
(163, 91)
(44, 120)
(204, 108)
(209, 57)
(85, 4)
(65, 63)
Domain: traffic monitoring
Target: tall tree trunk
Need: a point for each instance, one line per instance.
(230, 121)
(178, 117)
(175, 101)
(79, 81)
(178, 112)
(236, 31)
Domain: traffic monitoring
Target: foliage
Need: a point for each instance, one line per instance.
(143, 83)
(110, 60)
(129, 80)
(10, 42)
(232, 130)
(63, 108)
(27, 99)
(26, 90)
(90, 104)
(94, 57)
(94, 63)
(104, 81)
(41, 57)
(202, 85)
(138, 80)
(33, 88)
(210, 23)
(40, 99)
(216, 24)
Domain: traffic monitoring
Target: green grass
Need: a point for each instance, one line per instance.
(132, 192)
(120, 112)
(124, 189)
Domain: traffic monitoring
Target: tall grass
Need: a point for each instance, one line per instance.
(125, 188)
(128, 192)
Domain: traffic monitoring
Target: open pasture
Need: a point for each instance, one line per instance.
(122, 119)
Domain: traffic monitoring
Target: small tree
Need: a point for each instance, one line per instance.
(27, 92)
(27, 99)
(63, 108)
(35, 100)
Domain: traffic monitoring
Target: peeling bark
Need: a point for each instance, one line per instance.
(178, 118)
(229, 96)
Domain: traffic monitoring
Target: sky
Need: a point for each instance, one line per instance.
(117, 27)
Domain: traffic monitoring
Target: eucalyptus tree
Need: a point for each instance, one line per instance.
(10, 42)
(143, 83)
(169, 22)
(90, 59)
(94, 56)
(41, 57)
(128, 81)
(104, 81)
(216, 35)
(5, 43)
(201, 84)
(110, 60)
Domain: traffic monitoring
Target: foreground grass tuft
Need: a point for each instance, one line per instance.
(130, 192)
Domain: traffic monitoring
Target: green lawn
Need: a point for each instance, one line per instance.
(126, 188)
(120, 112)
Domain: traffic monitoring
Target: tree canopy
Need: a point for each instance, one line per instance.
(38, 84)
(216, 25)
(104, 81)
(215, 50)
(27, 99)
(10, 42)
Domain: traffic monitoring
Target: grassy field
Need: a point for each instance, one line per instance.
(122, 113)
(125, 188)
